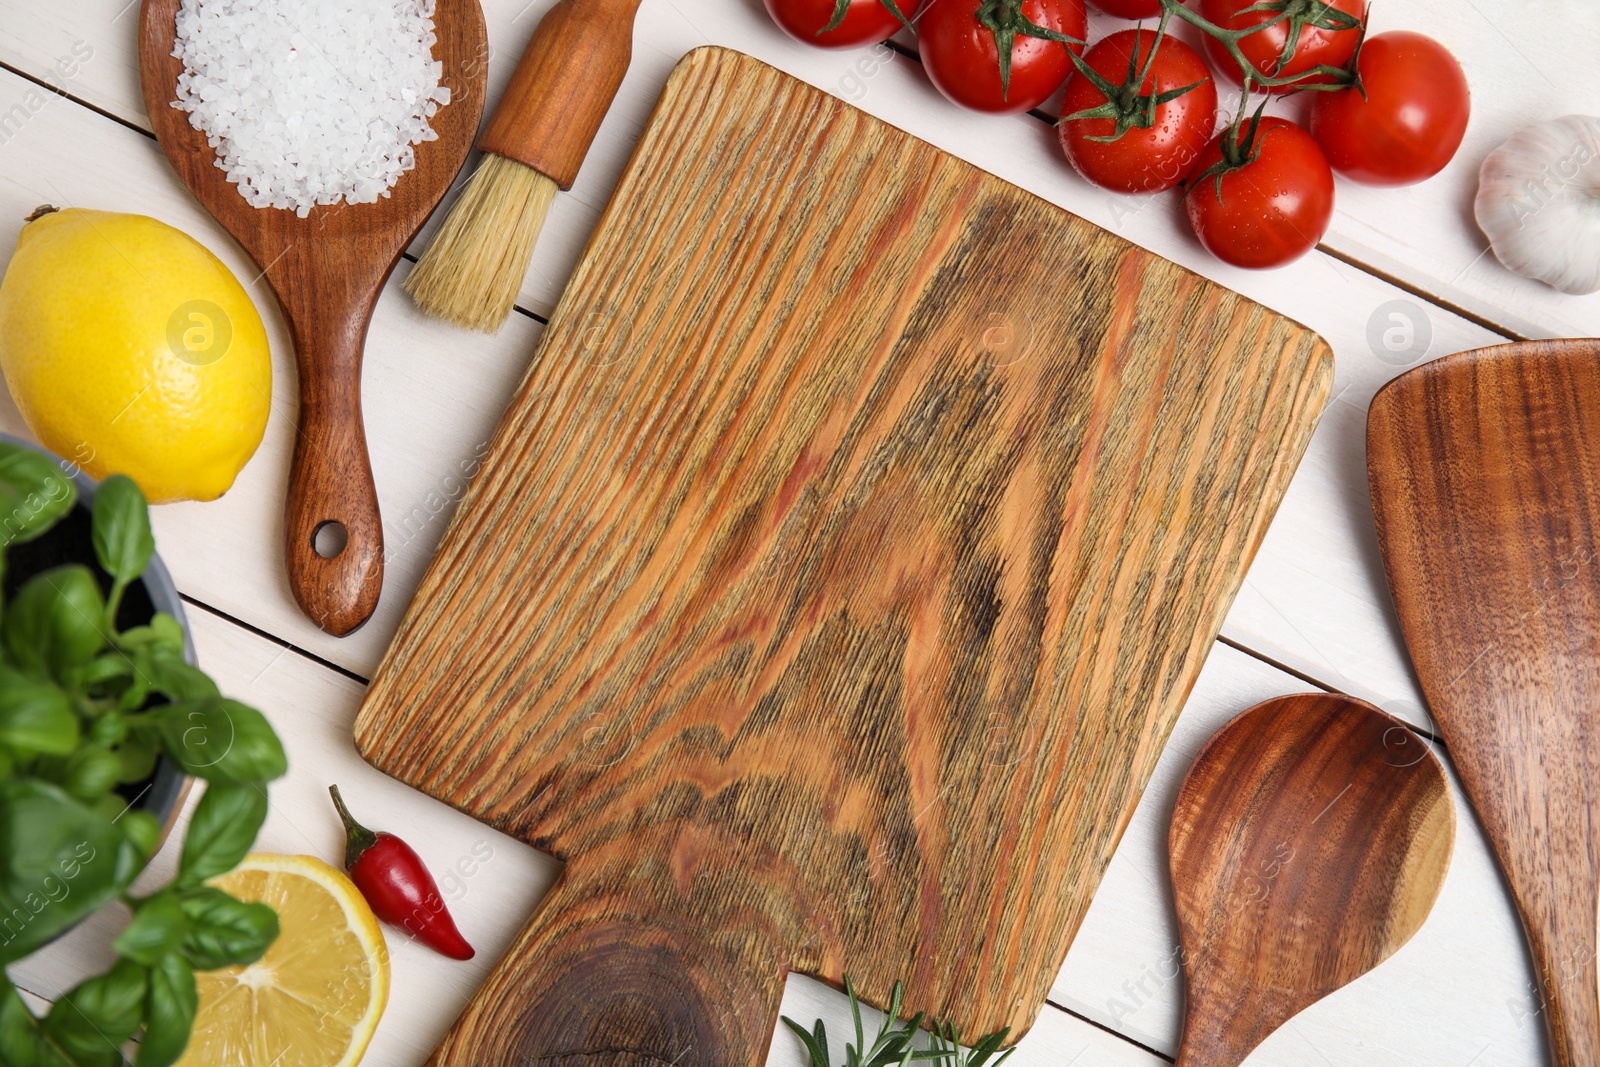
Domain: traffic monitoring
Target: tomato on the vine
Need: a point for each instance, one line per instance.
(864, 22)
(1311, 24)
(1410, 122)
(1130, 9)
(1138, 135)
(1271, 204)
(961, 44)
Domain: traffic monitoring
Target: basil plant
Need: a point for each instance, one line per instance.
(86, 711)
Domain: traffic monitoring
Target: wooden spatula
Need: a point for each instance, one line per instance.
(831, 585)
(327, 270)
(1308, 843)
(1485, 473)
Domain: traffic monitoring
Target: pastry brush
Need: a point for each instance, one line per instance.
(534, 144)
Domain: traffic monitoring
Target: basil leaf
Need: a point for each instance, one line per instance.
(19, 1033)
(91, 772)
(223, 931)
(110, 805)
(121, 532)
(157, 929)
(169, 674)
(34, 494)
(169, 631)
(54, 626)
(59, 861)
(141, 828)
(109, 728)
(223, 828)
(169, 1013)
(35, 716)
(92, 1022)
(104, 670)
(137, 692)
(163, 633)
(218, 739)
(49, 1057)
(135, 760)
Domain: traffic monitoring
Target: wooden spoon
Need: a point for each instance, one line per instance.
(327, 270)
(1485, 472)
(1308, 843)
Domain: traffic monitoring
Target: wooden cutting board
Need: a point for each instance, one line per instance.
(1485, 470)
(833, 581)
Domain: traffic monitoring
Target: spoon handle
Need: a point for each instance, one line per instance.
(1558, 913)
(330, 477)
(1214, 1042)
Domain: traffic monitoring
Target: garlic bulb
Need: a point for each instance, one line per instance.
(1539, 203)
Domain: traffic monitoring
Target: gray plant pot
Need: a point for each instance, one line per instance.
(68, 542)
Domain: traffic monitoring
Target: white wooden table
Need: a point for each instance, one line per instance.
(1314, 611)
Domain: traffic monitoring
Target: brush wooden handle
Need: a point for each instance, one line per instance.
(330, 477)
(625, 965)
(563, 86)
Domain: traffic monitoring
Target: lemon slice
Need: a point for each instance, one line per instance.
(314, 999)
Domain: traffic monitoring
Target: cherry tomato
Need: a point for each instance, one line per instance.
(1144, 159)
(865, 21)
(1315, 46)
(962, 59)
(1412, 119)
(1130, 9)
(1273, 209)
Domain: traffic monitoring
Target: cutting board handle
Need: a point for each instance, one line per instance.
(625, 971)
(330, 477)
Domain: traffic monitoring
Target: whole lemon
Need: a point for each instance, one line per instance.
(130, 348)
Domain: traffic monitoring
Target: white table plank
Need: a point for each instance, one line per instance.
(313, 709)
(1314, 600)
(1422, 234)
(432, 394)
(1459, 988)
(1519, 60)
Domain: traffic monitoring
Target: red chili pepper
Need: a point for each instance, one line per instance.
(394, 880)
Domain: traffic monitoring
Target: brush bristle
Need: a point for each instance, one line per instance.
(471, 273)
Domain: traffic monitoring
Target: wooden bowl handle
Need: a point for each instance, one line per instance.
(330, 477)
(563, 86)
(623, 972)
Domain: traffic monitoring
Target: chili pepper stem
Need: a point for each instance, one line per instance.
(357, 837)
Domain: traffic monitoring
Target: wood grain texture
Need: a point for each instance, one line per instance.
(563, 86)
(1308, 842)
(834, 578)
(1485, 470)
(326, 271)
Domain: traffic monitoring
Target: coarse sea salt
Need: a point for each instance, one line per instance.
(308, 102)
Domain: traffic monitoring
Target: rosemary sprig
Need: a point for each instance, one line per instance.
(949, 1042)
(894, 1045)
